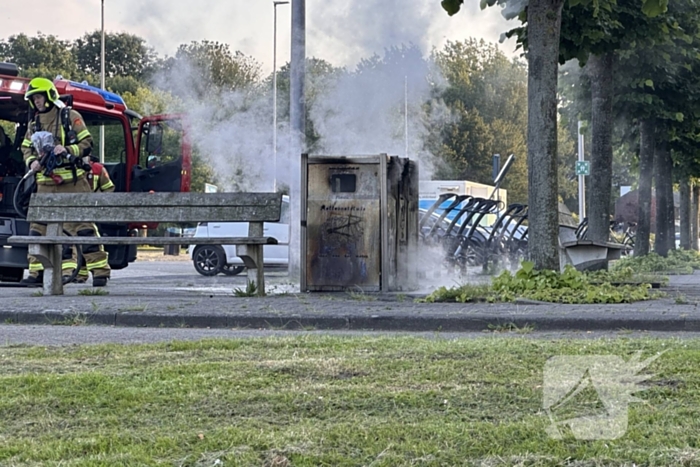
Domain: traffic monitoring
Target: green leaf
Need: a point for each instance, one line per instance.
(649, 83)
(653, 8)
(451, 6)
(527, 266)
(679, 116)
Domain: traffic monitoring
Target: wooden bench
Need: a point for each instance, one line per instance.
(143, 208)
(586, 255)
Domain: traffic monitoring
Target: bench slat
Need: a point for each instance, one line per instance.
(155, 207)
(25, 239)
(129, 214)
(155, 199)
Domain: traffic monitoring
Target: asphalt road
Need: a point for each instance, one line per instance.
(168, 291)
(179, 272)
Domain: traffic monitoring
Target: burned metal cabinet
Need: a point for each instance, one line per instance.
(359, 223)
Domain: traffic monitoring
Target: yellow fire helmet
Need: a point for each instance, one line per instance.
(44, 85)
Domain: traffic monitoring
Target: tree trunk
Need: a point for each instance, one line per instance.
(694, 227)
(647, 143)
(685, 212)
(600, 71)
(662, 244)
(544, 24)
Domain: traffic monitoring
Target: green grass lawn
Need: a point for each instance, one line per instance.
(332, 401)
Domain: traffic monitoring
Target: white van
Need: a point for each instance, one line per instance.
(210, 260)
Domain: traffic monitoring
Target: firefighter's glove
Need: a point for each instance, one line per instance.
(78, 162)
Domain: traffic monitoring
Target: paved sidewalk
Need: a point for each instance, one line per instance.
(186, 301)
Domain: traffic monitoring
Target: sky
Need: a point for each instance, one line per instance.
(339, 31)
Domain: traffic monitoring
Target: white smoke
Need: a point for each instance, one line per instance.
(346, 31)
(340, 31)
(230, 130)
(378, 108)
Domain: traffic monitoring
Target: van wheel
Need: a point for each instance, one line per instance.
(232, 270)
(208, 259)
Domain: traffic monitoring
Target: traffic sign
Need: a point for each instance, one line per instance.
(583, 168)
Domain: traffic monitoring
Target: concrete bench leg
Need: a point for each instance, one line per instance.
(252, 256)
(51, 257)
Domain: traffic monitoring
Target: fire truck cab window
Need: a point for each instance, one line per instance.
(114, 137)
(161, 143)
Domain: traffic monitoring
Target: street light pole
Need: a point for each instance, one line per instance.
(274, 92)
(297, 132)
(102, 82)
(581, 178)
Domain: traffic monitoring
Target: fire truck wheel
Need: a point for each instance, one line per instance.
(11, 274)
(208, 259)
(232, 270)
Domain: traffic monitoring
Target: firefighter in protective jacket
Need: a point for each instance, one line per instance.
(72, 139)
(99, 177)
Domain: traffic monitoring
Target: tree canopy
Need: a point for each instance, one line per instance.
(126, 55)
(40, 55)
(210, 68)
(486, 95)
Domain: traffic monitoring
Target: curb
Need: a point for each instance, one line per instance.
(358, 322)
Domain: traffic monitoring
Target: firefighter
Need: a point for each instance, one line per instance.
(99, 180)
(72, 140)
(99, 177)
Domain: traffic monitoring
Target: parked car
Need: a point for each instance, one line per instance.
(210, 260)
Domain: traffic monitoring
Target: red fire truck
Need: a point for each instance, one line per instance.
(142, 154)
